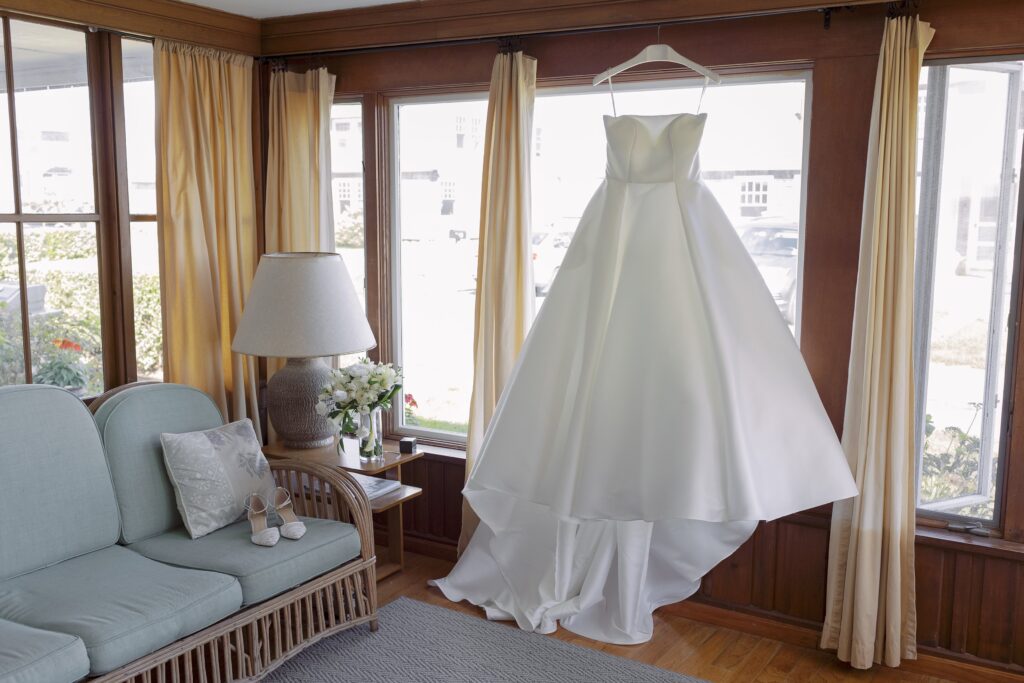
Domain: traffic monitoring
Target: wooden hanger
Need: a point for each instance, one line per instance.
(658, 53)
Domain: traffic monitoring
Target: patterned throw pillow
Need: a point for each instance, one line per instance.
(213, 471)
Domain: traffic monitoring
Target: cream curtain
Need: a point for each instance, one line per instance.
(207, 209)
(870, 614)
(299, 214)
(504, 292)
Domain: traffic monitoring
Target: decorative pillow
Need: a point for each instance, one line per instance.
(213, 472)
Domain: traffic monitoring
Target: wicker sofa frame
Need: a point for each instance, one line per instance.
(251, 643)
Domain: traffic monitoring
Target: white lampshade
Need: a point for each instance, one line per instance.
(302, 305)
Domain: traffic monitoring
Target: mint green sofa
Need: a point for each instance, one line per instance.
(98, 577)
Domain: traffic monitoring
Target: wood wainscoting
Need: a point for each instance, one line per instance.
(970, 590)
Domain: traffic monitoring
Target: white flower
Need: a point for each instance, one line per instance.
(321, 408)
(340, 395)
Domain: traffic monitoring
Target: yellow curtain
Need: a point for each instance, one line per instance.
(207, 209)
(871, 614)
(299, 215)
(504, 284)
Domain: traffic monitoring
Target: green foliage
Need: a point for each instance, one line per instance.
(950, 465)
(349, 233)
(62, 371)
(149, 349)
(73, 315)
(439, 425)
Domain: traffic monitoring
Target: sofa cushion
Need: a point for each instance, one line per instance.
(56, 500)
(131, 422)
(29, 655)
(121, 604)
(263, 572)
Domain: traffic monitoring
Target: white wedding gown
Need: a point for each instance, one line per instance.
(659, 409)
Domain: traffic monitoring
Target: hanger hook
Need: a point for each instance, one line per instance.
(659, 34)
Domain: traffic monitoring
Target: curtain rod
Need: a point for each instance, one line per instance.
(825, 11)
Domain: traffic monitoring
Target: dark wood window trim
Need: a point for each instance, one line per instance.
(111, 212)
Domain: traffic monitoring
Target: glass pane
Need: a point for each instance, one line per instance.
(149, 324)
(440, 160)
(347, 196)
(751, 159)
(64, 305)
(12, 350)
(973, 236)
(51, 87)
(140, 124)
(6, 163)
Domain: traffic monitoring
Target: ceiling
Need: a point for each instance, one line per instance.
(263, 9)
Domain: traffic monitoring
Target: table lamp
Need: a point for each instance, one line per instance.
(302, 306)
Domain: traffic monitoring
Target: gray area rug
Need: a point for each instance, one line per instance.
(421, 643)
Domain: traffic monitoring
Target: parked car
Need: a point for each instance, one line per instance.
(548, 251)
(774, 247)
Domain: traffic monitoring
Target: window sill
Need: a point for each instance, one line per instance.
(956, 540)
(444, 454)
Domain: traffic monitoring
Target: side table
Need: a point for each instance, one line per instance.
(390, 559)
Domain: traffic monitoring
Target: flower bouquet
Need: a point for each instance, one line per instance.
(353, 400)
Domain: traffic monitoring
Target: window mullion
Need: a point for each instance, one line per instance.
(118, 352)
(19, 230)
(927, 228)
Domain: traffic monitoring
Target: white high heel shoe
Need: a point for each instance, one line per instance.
(256, 509)
(292, 528)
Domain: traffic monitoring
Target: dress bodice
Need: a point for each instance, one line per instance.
(654, 149)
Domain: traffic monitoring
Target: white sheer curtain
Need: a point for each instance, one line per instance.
(504, 294)
(870, 614)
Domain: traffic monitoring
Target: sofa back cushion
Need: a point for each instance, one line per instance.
(56, 499)
(131, 423)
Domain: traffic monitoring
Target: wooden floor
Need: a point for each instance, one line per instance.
(689, 647)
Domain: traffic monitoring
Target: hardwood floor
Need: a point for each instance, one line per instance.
(716, 654)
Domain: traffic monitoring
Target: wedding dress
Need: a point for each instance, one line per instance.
(659, 409)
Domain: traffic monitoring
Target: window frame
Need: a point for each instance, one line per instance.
(394, 426)
(923, 300)
(110, 197)
(398, 426)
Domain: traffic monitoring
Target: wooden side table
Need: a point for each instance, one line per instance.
(390, 559)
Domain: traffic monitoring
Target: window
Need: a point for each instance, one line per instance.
(753, 140)
(49, 262)
(347, 186)
(755, 135)
(436, 245)
(753, 198)
(969, 166)
(140, 147)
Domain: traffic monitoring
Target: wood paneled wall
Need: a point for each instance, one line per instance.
(968, 607)
(155, 18)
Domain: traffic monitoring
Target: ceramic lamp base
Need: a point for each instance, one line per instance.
(291, 403)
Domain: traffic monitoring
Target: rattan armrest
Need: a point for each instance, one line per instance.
(327, 493)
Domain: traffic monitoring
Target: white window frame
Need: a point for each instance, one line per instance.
(989, 468)
(394, 173)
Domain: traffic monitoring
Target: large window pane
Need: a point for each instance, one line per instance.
(149, 329)
(51, 98)
(347, 190)
(347, 197)
(439, 165)
(751, 159)
(140, 124)
(6, 162)
(12, 351)
(971, 150)
(64, 305)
